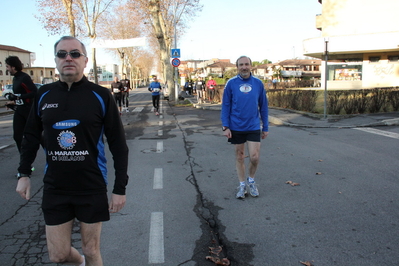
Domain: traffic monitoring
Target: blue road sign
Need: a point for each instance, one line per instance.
(175, 53)
(175, 62)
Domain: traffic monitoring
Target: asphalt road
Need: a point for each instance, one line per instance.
(181, 196)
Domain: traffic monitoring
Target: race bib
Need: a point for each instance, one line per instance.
(116, 90)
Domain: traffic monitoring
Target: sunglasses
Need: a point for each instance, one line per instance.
(73, 54)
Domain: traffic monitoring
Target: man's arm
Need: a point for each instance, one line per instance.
(29, 87)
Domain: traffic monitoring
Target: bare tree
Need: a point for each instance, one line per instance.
(166, 17)
(76, 15)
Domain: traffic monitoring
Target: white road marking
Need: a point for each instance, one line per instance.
(158, 178)
(159, 146)
(156, 248)
(379, 132)
(160, 132)
(138, 109)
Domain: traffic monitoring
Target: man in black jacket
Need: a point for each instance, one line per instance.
(22, 98)
(70, 118)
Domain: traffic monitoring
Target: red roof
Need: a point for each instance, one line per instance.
(13, 48)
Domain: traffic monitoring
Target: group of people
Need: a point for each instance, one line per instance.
(120, 91)
(70, 119)
(204, 90)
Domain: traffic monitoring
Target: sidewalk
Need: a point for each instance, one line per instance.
(292, 118)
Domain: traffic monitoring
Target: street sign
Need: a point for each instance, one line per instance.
(175, 53)
(175, 62)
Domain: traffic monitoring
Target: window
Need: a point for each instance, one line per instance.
(393, 58)
(1, 72)
(345, 72)
(31, 72)
(374, 59)
(1, 64)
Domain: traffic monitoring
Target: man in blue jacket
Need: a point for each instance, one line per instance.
(244, 107)
(155, 89)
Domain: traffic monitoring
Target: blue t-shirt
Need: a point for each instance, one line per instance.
(244, 105)
(155, 88)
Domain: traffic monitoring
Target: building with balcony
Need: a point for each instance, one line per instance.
(361, 41)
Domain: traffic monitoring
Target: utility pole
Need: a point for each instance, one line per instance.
(325, 77)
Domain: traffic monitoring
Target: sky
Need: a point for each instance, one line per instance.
(225, 29)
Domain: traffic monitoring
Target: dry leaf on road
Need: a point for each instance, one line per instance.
(306, 263)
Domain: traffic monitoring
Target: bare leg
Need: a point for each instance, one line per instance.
(253, 148)
(240, 162)
(91, 234)
(59, 244)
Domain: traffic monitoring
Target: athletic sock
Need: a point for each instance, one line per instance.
(242, 183)
(250, 180)
(84, 261)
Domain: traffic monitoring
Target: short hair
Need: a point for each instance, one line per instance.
(243, 56)
(69, 38)
(14, 61)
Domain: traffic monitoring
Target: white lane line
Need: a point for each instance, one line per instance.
(158, 178)
(160, 123)
(138, 109)
(379, 132)
(156, 248)
(160, 132)
(3, 147)
(159, 146)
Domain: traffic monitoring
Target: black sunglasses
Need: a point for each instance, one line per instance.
(73, 54)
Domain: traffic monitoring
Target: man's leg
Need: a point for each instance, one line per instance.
(59, 244)
(253, 148)
(19, 122)
(240, 161)
(91, 234)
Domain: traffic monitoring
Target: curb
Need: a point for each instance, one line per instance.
(279, 122)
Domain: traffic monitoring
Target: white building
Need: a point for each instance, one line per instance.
(362, 40)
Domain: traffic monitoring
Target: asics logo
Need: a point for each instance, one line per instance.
(50, 105)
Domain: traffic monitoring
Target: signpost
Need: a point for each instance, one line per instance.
(175, 62)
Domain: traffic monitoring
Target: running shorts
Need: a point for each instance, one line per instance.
(59, 209)
(240, 137)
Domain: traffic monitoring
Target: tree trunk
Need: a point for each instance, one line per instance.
(155, 12)
(93, 50)
(71, 19)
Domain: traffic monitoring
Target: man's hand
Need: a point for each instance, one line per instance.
(264, 134)
(23, 187)
(227, 133)
(117, 202)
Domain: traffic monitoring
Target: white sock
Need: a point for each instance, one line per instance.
(242, 183)
(84, 261)
(250, 180)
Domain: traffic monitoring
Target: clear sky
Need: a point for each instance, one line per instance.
(226, 29)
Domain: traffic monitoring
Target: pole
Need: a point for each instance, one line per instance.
(176, 70)
(325, 77)
(44, 65)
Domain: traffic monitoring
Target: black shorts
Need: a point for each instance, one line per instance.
(59, 209)
(240, 137)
